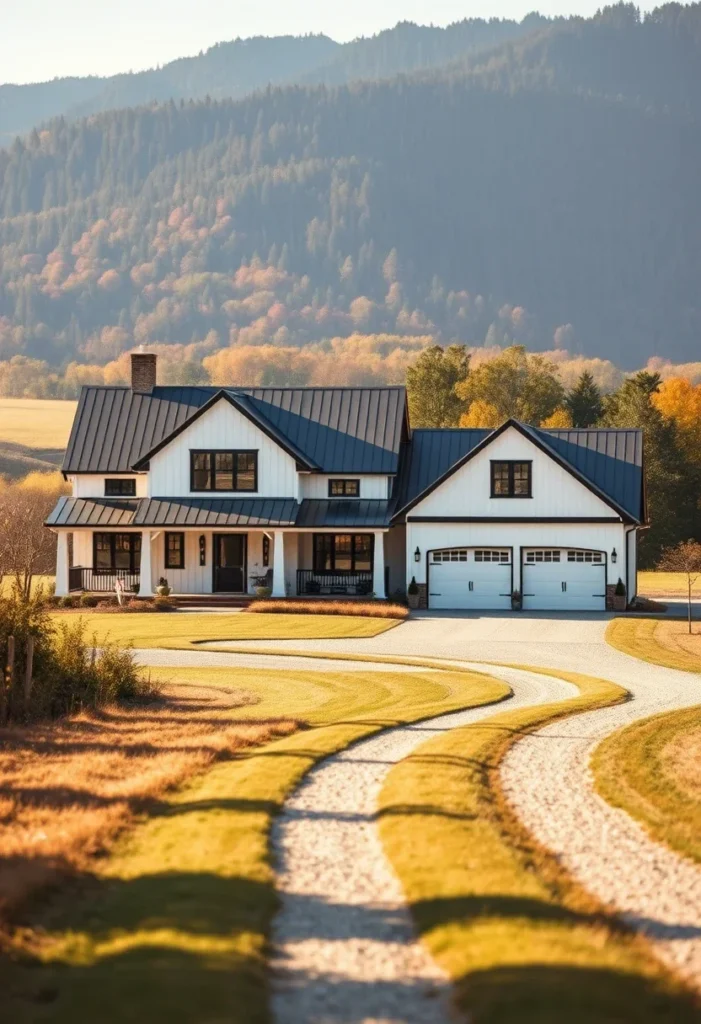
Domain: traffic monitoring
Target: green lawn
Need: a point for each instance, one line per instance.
(665, 642)
(653, 770)
(180, 630)
(172, 927)
(521, 941)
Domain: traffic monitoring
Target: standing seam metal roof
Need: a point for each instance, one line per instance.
(342, 430)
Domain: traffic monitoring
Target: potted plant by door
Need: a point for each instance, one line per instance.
(412, 594)
(620, 602)
(516, 601)
(163, 590)
(261, 585)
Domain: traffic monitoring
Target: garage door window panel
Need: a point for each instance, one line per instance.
(511, 479)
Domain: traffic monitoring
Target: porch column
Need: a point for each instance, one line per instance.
(146, 574)
(378, 566)
(279, 564)
(61, 563)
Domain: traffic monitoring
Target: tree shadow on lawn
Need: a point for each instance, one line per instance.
(187, 948)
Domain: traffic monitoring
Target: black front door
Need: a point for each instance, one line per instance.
(229, 563)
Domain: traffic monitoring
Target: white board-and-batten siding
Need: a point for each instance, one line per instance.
(92, 485)
(556, 493)
(316, 485)
(223, 427)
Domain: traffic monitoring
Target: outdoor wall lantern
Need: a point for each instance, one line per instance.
(614, 557)
(203, 551)
(417, 555)
(266, 551)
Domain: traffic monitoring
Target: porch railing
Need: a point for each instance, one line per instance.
(98, 581)
(310, 582)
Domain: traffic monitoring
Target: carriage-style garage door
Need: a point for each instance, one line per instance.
(478, 578)
(563, 579)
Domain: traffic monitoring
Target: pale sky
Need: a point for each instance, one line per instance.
(44, 39)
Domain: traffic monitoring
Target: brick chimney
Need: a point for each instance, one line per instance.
(143, 372)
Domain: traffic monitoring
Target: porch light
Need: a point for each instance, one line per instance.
(203, 551)
(614, 557)
(417, 555)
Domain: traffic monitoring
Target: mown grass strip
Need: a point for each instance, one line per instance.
(180, 631)
(173, 926)
(652, 769)
(522, 941)
(658, 641)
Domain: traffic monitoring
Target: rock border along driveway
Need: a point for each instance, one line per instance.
(344, 947)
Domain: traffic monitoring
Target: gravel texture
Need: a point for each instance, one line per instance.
(344, 945)
(547, 780)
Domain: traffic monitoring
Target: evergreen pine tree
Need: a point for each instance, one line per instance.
(584, 402)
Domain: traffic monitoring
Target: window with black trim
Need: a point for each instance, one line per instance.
(511, 479)
(117, 488)
(223, 470)
(175, 551)
(116, 552)
(343, 552)
(344, 488)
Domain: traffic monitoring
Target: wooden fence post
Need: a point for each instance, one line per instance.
(28, 672)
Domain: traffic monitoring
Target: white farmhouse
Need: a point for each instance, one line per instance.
(328, 491)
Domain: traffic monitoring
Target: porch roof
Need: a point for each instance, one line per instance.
(203, 512)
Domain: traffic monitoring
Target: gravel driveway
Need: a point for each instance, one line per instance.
(320, 931)
(344, 945)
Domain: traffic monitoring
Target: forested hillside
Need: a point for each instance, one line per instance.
(233, 69)
(336, 231)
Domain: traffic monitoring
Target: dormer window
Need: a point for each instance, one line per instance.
(119, 488)
(344, 488)
(223, 471)
(511, 480)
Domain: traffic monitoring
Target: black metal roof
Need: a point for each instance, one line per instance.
(610, 460)
(216, 512)
(338, 430)
(220, 513)
(359, 514)
(93, 512)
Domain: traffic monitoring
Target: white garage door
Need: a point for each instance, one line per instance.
(477, 578)
(564, 579)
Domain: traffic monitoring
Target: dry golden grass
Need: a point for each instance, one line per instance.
(368, 609)
(666, 584)
(36, 423)
(660, 641)
(653, 770)
(67, 788)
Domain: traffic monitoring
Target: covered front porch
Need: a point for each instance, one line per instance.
(291, 563)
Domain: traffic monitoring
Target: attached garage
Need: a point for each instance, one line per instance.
(563, 579)
(470, 578)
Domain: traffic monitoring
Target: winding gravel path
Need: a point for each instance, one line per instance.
(344, 945)
(343, 919)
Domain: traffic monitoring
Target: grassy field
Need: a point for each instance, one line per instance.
(179, 631)
(36, 423)
(666, 584)
(652, 769)
(661, 641)
(521, 941)
(172, 927)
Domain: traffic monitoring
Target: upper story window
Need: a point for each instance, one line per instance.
(344, 488)
(116, 488)
(223, 471)
(511, 480)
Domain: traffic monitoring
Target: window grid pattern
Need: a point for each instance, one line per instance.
(343, 552)
(344, 488)
(492, 556)
(456, 555)
(175, 551)
(511, 479)
(593, 557)
(542, 556)
(117, 488)
(224, 471)
(112, 551)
